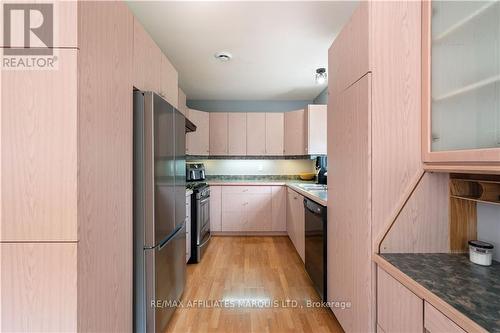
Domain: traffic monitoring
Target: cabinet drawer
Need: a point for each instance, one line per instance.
(435, 321)
(246, 189)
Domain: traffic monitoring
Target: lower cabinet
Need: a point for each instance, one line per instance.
(248, 208)
(215, 208)
(398, 309)
(38, 287)
(295, 221)
(436, 322)
(188, 227)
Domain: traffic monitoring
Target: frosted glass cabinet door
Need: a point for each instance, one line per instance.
(461, 81)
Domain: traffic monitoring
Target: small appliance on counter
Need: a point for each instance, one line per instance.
(480, 253)
(200, 210)
(195, 172)
(321, 169)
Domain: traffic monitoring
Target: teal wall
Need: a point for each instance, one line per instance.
(255, 106)
(246, 106)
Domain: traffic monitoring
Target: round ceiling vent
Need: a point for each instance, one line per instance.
(223, 56)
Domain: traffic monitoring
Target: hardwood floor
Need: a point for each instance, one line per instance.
(246, 270)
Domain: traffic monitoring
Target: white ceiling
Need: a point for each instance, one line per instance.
(276, 46)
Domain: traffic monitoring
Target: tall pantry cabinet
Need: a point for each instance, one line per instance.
(373, 145)
(66, 173)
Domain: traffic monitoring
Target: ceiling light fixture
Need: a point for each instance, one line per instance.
(320, 75)
(223, 56)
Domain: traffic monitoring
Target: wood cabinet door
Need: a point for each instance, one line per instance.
(198, 141)
(349, 218)
(256, 134)
(437, 322)
(349, 55)
(215, 208)
(39, 287)
(237, 133)
(278, 208)
(147, 60)
(316, 129)
(169, 82)
(275, 133)
(300, 225)
(295, 136)
(290, 229)
(234, 207)
(398, 309)
(259, 211)
(39, 152)
(218, 133)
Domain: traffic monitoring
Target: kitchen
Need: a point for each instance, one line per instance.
(196, 154)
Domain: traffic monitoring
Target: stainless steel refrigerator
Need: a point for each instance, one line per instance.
(159, 211)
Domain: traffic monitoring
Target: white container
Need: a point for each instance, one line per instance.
(480, 253)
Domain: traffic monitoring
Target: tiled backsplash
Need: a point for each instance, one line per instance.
(257, 167)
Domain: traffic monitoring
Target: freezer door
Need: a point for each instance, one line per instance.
(180, 167)
(165, 280)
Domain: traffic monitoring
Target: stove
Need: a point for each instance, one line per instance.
(200, 210)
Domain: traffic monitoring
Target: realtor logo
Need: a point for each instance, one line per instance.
(28, 29)
(28, 37)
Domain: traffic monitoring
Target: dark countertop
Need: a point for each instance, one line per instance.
(472, 289)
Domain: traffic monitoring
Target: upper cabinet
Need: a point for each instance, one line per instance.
(197, 141)
(349, 54)
(147, 60)
(461, 81)
(275, 131)
(305, 131)
(295, 136)
(168, 82)
(315, 127)
(256, 134)
(218, 133)
(237, 133)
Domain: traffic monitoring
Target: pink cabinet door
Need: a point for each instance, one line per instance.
(234, 207)
(349, 218)
(218, 133)
(256, 134)
(147, 60)
(316, 129)
(349, 55)
(295, 136)
(259, 211)
(169, 82)
(398, 309)
(278, 208)
(197, 141)
(215, 208)
(39, 159)
(237, 133)
(275, 132)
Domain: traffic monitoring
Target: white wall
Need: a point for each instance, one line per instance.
(488, 226)
(257, 167)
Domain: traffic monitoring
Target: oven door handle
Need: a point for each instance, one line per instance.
(204, 200)
(206, 240)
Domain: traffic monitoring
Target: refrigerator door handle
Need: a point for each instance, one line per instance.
(172, 236)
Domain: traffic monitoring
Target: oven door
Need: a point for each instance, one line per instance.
(202, 219)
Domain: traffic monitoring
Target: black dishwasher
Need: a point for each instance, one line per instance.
(315, 239)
